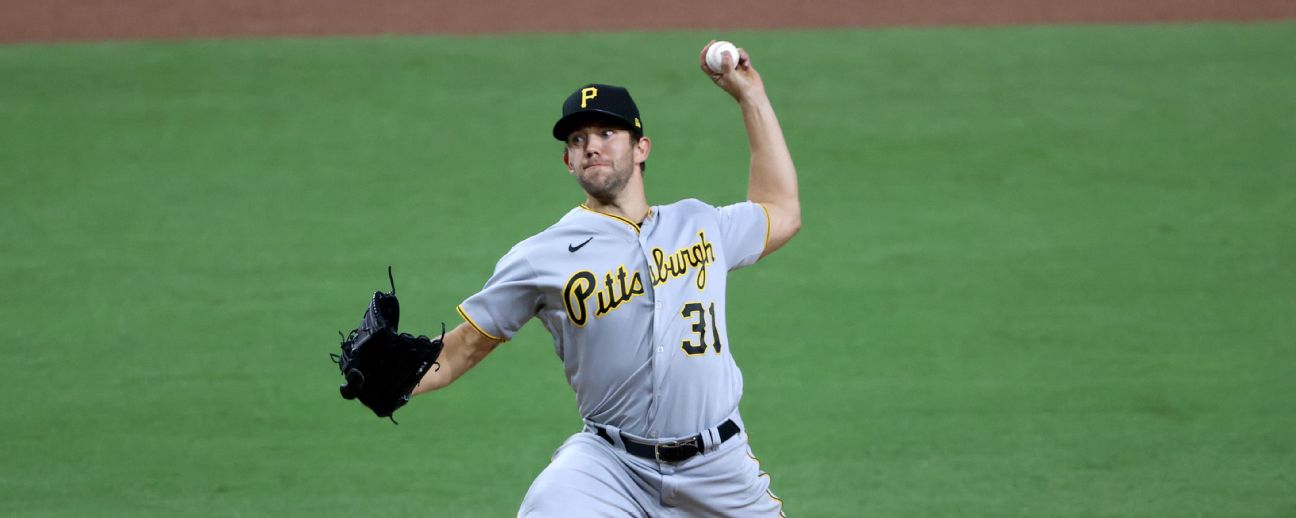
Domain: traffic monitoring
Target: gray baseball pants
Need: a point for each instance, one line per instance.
(588, 477)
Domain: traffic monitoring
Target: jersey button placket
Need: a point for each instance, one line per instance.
(659, 360)
(657, 314)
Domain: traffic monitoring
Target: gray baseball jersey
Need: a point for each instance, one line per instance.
(637, 311)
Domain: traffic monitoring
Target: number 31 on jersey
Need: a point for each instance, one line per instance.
(698, 313)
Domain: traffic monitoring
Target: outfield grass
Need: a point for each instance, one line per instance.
(1044, 271)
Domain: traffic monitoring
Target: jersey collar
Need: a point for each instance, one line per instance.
(632, 224)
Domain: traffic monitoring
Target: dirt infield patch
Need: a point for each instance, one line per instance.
(89, 20)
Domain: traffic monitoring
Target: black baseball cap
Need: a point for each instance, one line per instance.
(595, 100)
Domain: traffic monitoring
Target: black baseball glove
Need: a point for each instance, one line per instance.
(381, 366)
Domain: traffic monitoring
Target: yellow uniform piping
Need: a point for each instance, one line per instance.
(632, 224)
(474, 325)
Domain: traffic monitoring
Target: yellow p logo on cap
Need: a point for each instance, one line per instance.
(587, 94)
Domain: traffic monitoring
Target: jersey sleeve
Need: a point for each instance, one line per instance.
(744, 232)
(508, 300)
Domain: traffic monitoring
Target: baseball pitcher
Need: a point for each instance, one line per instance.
(634, 296)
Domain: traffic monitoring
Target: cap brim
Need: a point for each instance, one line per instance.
(567, 124)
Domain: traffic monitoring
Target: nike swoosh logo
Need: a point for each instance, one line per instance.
(573, 249)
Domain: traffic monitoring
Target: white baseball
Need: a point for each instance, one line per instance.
(715, 56)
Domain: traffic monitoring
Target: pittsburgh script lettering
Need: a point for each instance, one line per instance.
(677, 264)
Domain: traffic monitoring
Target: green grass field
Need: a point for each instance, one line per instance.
(1044, 271)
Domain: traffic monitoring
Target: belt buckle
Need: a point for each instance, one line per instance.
(657, 449)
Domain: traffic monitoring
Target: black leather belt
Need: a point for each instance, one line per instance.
(672, 452)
